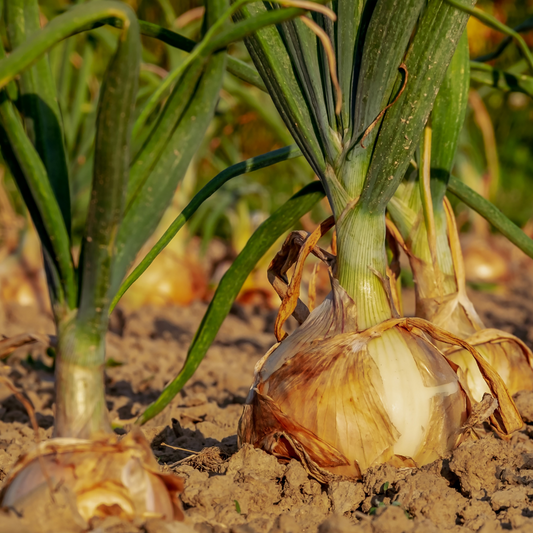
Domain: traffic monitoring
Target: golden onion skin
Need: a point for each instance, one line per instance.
(507, 354)
(454, 311)
(106, 476)
(342, 401)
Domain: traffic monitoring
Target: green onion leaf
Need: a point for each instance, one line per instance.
(255, 163)
(228, 289)
(110, 176)
(492, 214)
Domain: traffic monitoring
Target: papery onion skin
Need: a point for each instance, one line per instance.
(507, 354)
(342, 401)
(106, 478)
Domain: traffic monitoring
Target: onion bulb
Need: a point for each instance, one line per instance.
(342, 400)
(507, 354)
(484, 263)
(106, 476)
(170, 280)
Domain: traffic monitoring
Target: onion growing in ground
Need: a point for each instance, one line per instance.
(341, 399)
(175, 277)
(424, 225)
(356, 384)
(105, 477)
(127, 199)
(453, 311)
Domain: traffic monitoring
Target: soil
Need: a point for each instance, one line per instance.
(484, 486)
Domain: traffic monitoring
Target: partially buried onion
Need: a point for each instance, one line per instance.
(507, 354)
(107, 477)
(341, 400)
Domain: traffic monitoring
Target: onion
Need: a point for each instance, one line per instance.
(341, 400)
(485, 264)
(507, 354)
(446, 304)
(106, 476)
(170, 280)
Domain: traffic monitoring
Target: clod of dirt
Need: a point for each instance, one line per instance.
(524, 402)
(246, 493)
(345, 496)
(160, 526)
(285, 524)
(426, 495)
(479, 465)
(339, 524)
(477, 514)
(510, 497)
(295, 478)
(376, 477)
(391, 519)
(255, 463)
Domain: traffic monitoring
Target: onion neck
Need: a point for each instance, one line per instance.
(429, 283)
(361, 259)
(81, 410)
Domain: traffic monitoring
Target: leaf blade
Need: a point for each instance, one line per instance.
(229, 286)
(38, 102)
(250, 165)
(146, 207)
(427, 60)
(32, 181)
(110, 177)
(492, 214)
(447, 119)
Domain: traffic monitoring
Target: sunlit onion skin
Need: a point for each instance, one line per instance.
(507, 354)
(106, 476)
(454, 311)
(442, 299)
(342, 401)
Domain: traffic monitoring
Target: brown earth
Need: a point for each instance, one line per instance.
(484, 486)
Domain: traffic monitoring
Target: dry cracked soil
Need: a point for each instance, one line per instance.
(484, 486)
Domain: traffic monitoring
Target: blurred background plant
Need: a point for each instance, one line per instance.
(246, 124)
(494, 158)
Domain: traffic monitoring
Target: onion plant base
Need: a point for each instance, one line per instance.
(341, 399)
(452, 310)
(507, 354)
(106, 477)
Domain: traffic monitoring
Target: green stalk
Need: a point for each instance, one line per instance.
(80, 396)
(362, 264)
(32, 181)
(213, 40)
(361, 252)
(81, 410)
(415, 209)
(38, 102)
(419, 212)
(259, 243)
